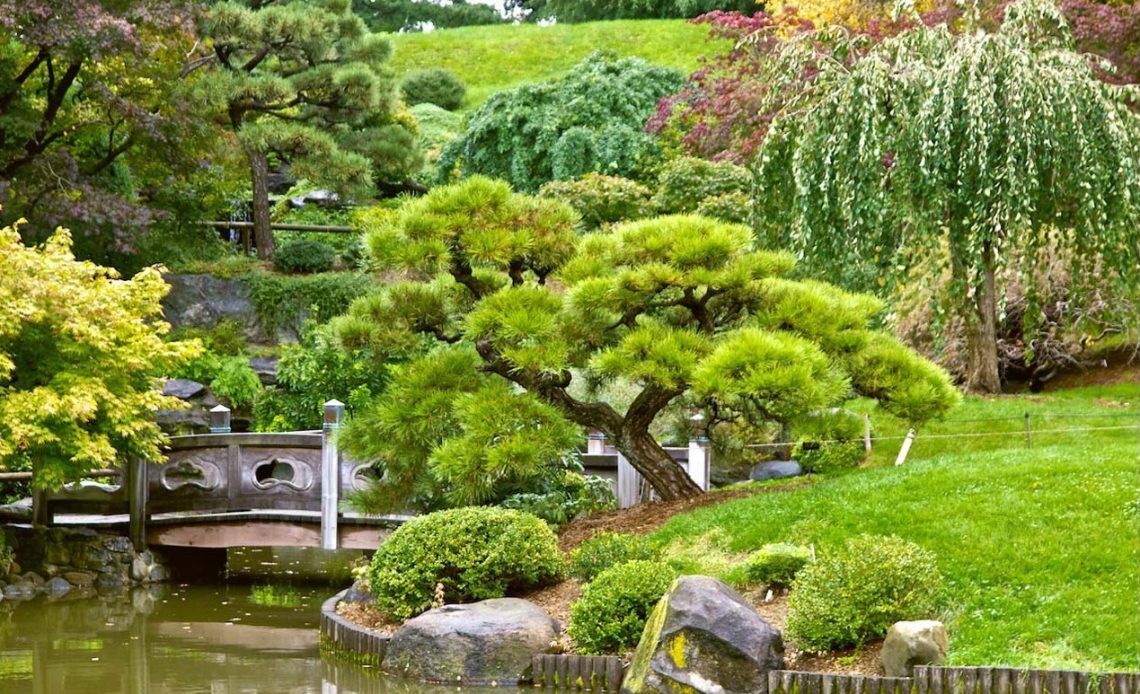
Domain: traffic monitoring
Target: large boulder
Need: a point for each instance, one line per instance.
(488, 642)
(908, 644)
(776, 470)
(703, 637)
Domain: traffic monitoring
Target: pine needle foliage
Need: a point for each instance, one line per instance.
(517, 306)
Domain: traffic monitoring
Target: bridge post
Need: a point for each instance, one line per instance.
(138, 490)
(41, 513)
(330, 474)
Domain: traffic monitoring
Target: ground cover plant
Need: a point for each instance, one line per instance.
(1039, 548)
(489, 59)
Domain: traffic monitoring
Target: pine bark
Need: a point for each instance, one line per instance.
(262, 230)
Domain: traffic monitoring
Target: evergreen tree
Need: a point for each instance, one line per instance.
(516, 308)
(306, 82)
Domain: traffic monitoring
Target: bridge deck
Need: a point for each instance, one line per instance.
(269, 528)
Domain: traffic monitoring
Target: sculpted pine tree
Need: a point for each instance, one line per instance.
(305, 81)
(515, 306)
(991, 151)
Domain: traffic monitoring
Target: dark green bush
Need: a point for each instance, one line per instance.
(304, 255)
(605, 550)
(856, 593)
(776, 565)
(435, 86)
(686, 182)
(595, 113)
(612, 611)
(829, 457)
(473, 553)
(601, 199)
(829, 440)
(284, 302)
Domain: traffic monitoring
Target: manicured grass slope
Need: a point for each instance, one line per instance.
(1040, 548)
(492, 58)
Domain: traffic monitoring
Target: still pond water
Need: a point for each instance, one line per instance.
(182, 638)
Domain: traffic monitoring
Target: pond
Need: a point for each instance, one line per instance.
(222, 636)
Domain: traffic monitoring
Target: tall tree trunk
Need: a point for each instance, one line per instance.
(262, 231)
(647, 456)
(982, 375)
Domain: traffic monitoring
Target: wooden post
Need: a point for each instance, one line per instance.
(41, 513)
(699, 461)
(1028, 436)
(905, 448)
(138, 491)
(867, 433)
(330, 474)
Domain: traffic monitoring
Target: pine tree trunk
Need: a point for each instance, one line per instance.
(982, 375)
(666, 475)
(262, 231)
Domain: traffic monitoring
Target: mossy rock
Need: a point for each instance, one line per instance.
(703, 637)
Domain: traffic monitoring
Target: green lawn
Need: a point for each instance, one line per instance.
(1040, 548)
(492, 58)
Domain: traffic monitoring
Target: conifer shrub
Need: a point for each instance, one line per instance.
(601, 199)
(614, 607)
(686, 182)
(605, 550)
(435, 86)
(304, 256)
(855, 594)
(465, 554)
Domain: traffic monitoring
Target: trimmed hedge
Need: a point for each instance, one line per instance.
(614, 607)
(467, 554)
(605, 550)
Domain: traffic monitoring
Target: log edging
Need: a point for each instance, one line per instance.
(349, 641)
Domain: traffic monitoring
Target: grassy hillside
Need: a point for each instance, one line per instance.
(1040, 547)
(492, 58)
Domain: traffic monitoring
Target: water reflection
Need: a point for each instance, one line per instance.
(176, 638)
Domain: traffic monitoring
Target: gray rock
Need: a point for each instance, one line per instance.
(157, 573)
(80, 579)
(107, 581)
(488, 642)
(183, 388)
(34, 578)
(118, 544)
(703, 637)
(20, 591)
(776, 470)
(359, 593)
(57, 586)
(908, 644)
(265, 368)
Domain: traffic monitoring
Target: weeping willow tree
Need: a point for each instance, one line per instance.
(984, 150)
(516, 311)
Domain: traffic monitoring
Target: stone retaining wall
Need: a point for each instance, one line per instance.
(57, 561)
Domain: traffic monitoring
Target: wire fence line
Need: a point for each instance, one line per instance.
(973, 434)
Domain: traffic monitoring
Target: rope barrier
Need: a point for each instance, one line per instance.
(976, 434)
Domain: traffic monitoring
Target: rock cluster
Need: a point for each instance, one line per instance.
(58, 561)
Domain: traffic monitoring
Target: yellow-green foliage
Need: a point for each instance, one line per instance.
(613, 609)
(472, 553)
(80, 350)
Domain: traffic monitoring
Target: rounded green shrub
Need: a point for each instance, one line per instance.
(857, 593)
(686, 182)
(304, 255)
(471, 553)
(734, 206)
(605, 550)
(612, 611)
(600, 199)
(776, 565)
(435, 86)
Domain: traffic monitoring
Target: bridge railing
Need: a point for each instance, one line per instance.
(225, 472)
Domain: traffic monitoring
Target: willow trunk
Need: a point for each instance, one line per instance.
(982, 373)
